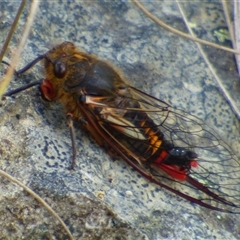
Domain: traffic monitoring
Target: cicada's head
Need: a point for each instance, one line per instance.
(61, 65)
(57, 59)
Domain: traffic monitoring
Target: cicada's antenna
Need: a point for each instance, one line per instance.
(20, 89)
(29, 65)
(19, 72)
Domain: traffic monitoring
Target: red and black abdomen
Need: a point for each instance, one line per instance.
(154, 149)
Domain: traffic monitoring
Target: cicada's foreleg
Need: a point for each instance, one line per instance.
(73, 139)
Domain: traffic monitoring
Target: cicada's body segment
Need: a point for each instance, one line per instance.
(170, 147)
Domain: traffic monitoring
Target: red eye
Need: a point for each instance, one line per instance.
(47, 90)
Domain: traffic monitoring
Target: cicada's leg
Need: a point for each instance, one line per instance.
(93, 133)
(73, 140)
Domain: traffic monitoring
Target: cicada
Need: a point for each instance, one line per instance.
(170, 147)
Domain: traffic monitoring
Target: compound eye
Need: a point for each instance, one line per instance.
(60, 69)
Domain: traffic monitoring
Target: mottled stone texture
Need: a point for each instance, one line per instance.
(104, 198)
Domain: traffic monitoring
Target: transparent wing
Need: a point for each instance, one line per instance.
(214, 183)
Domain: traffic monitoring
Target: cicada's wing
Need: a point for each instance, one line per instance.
(131, 131)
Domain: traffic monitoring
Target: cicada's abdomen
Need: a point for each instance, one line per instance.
(176, 162)
(146, 142)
